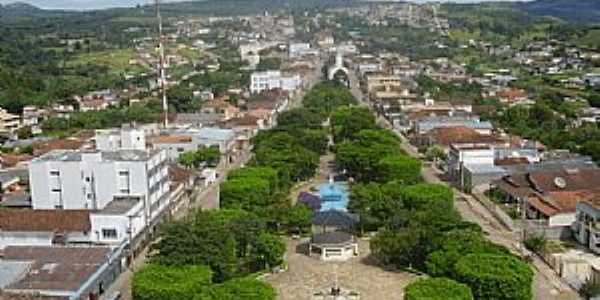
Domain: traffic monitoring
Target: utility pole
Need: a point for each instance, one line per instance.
(161, 68)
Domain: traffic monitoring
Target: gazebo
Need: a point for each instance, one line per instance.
(334, 245)
(333, 220)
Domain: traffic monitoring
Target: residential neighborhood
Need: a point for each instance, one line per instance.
(283, 150)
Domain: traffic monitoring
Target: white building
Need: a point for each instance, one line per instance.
(125, 139)
(65, 179)
(126, 190)
(461, 155)
(9, 122)
(178, 142)
(301, 49)
(269, 80)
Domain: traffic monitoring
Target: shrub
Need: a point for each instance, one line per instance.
(493, 276)
(437, 289)
(536, 243)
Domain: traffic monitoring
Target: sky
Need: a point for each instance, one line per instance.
(100, 4)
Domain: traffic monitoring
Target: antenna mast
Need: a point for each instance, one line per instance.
(161, 67)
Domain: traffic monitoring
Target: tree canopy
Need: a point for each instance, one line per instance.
(182, 282)
(437, 289)
(493, 276)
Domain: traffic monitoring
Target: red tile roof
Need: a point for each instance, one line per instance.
(71, 143)
(56, 268)
(512, 94)
(44, 220)
(11, 160)
(509, 161)
(459, 135)
(170, 139)
(179, 174)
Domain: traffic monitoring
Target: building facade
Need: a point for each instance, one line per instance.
(274, 79)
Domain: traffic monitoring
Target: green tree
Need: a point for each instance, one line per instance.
(376, 204)
(348, 121)
(181, 282)
(220, 239)
(493, 276)
(589, 289)
(269, 250)
(302, 117)
(435, 154)
(455, 245)
(298, 218)
(437, 289)
(401, 168)
(238, 289)
(395, 247)
(418, 195)
(250, 193)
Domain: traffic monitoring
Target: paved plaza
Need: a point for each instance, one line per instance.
(307, 275)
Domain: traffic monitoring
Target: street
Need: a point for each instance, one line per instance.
(546, 284)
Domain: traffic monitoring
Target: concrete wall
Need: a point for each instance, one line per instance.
(535, 227)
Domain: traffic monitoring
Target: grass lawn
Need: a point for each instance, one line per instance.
(116, 60)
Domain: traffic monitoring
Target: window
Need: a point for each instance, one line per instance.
(123, 173)
(180, 150)
(109, 234)
(56, 190)
(124, 191)
(54, 173)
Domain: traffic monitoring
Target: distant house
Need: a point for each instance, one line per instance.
(512, 96)
(445, 136)
(197, 120)
(427, 124)
(219, 108)
(26, 227)
(9, 122)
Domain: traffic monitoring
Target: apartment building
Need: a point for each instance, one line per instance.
(274, 79)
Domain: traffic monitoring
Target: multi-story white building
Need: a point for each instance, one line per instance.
(270, 80)
(63, 179)
(125, 190)
(301, 49)
(9, 122)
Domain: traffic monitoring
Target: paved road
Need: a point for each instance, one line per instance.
(207, 198)
(546, 285)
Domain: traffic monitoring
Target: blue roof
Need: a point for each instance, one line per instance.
(217, 134)
(473, 124)
(333, 196)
